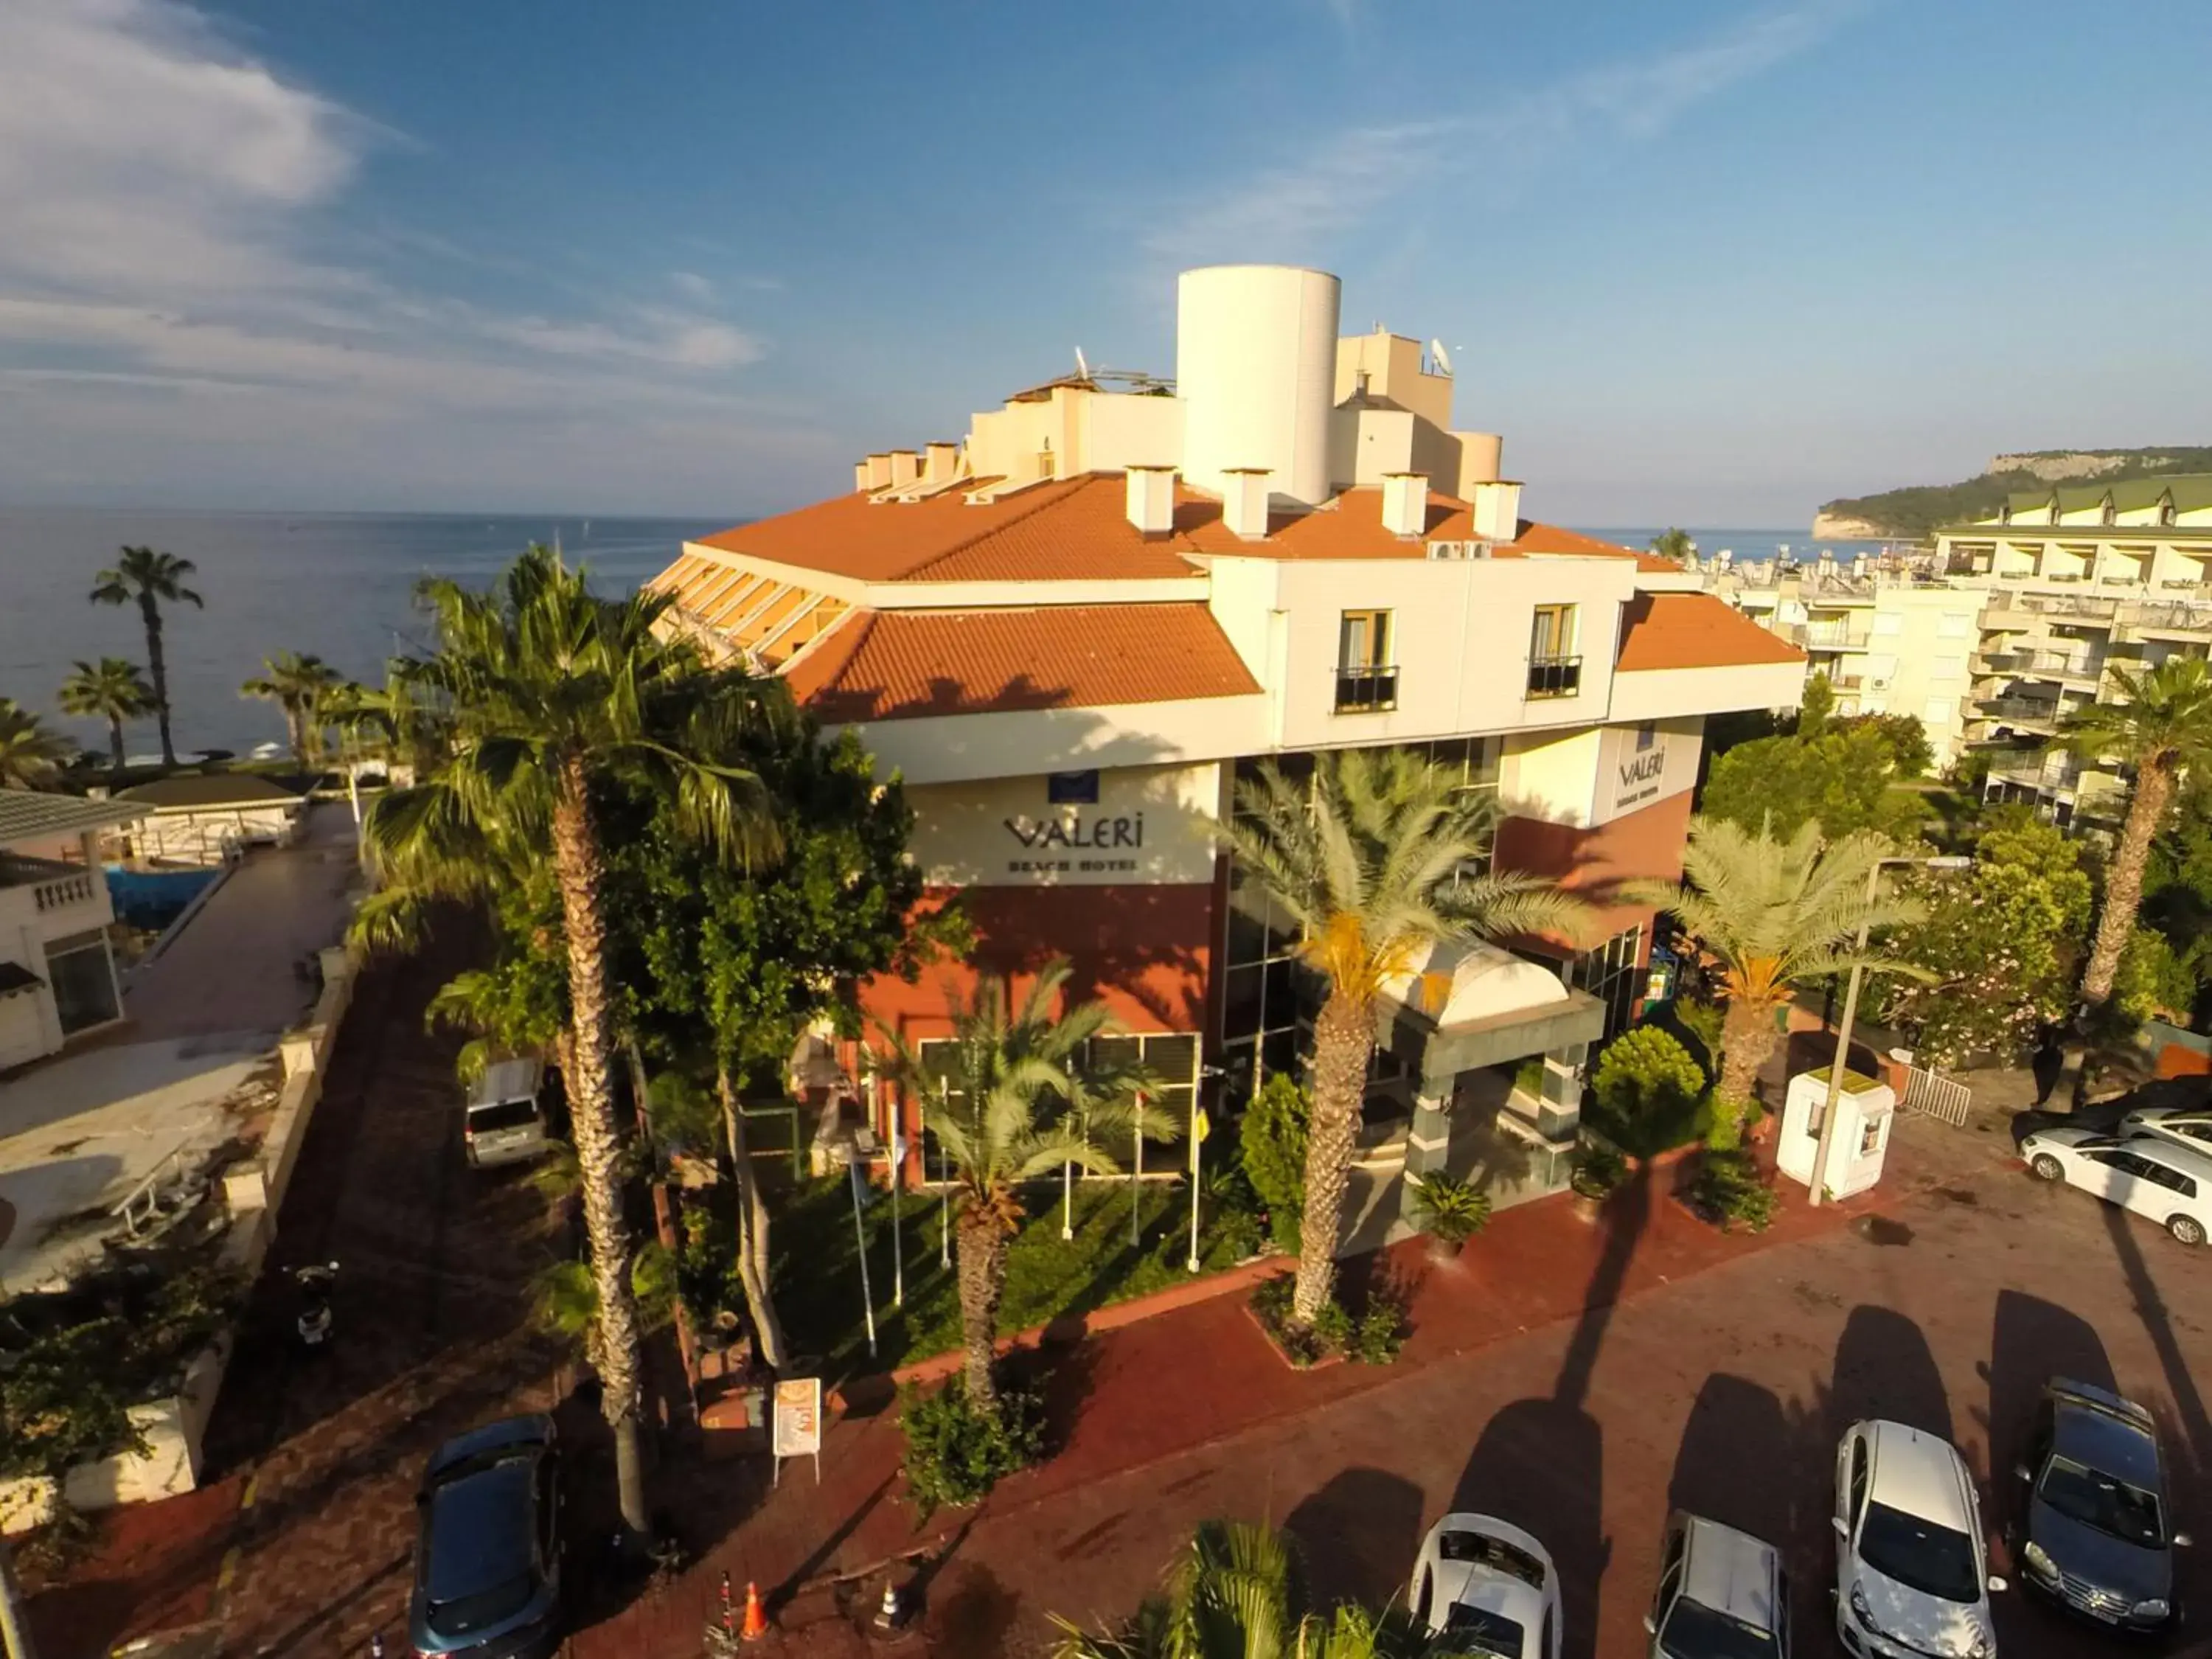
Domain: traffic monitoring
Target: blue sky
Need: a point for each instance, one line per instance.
(1704, 261)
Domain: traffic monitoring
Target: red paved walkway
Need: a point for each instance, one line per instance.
(1191, 1379)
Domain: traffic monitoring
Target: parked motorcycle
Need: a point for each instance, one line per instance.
(314, 1283)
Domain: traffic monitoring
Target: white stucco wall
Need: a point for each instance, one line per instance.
(943, 749)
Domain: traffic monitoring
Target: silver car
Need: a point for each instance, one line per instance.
(1723, 1595)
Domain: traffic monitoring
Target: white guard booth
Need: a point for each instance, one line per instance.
(1864, 1111)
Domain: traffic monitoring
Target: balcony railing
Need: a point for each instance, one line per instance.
(2064, 664)
(54, 885)
(2169, 617)
(2017, 710)
(1554, 677)
(1367, 690)
(1830, 636)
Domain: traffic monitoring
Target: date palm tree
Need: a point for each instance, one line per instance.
(2160, 727)
(111, 690)
(991, 1105)
(306, 688)
(1673, 543)
(149, 579)
(31, 756)
(1236, 1591)
(1376, 862)
(548, 691)
(1770, 916)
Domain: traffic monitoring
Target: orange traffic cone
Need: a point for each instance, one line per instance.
(756, 1625)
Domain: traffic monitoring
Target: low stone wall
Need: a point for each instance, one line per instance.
(175, 1428)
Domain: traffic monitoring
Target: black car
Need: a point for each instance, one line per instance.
(2095, 1535)
(488, 1552)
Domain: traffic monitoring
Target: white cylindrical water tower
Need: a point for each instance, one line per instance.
(1255, 369)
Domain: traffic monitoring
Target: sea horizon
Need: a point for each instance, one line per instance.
(339, 584)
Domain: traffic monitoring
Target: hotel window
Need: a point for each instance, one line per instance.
(1554, 669)
(1366, 680)
(1888, 622)
(1170, 1056)
(1953, 625)
(1940, 711)
(82, 975)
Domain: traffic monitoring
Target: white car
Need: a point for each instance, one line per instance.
(2187, 1127)
(1483, 1586)
(2148, 1174)
(1723, 1595)
(1912, 1576)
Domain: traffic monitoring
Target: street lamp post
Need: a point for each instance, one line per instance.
(1836, 1067)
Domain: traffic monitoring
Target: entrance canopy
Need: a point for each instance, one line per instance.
(1475, 1005)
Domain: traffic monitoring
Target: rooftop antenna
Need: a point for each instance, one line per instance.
(1444, 358)
(1082, 365)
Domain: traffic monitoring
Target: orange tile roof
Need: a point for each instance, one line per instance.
(1076, 529)
(1072, 530)
(898, 665)
(1694, 630)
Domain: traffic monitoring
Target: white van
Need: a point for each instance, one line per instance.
(505, 1121)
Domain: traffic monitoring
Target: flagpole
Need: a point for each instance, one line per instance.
(1197, 1135)
(1136, 1179)
(1068, 1172)
(898, 1245)
(944, 1181)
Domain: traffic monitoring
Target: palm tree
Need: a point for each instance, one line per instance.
(150, 579)
(2162, 727)
(548, 690)
(31, 757)
(111, 689)
(304, 688)
(989, 1106)
(1235, 1592)
(1671, 544)
(1772, 915)
(1375, 863)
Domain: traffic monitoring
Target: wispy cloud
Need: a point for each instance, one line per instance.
(1296, 207)
(173, 211)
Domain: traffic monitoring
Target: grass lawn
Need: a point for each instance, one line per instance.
(817, 1281)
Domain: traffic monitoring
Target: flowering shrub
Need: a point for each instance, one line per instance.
(2003, 940)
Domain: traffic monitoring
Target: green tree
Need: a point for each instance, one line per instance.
(1375, 863)
(2001, 942)
(1271, 1145)
(1817, 707)
(551, 692)
(755, 957)
(1237, 1591)
(149, 579)
(1769, 916)
(2160, 727)
(1645, 1071)
(307, 689)
(1675, 544)
(111, 690)
(990, 1106)
(31, 756)
(1839, 779)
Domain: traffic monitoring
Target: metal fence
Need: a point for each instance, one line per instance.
(1931, 1094)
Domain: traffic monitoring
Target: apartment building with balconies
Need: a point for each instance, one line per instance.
(57, 977)
(2080, 580)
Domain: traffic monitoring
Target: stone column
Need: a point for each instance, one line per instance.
(1559, 1112)
(1428, 1142)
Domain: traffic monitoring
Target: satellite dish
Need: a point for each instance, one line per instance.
(1082, 365)
(1444, 358)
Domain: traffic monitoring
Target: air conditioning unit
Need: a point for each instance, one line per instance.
(1447, 550)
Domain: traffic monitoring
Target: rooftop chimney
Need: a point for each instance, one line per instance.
(1405, 504)
(879, 471)
(861, 475)
(906, 467)
(940, 462)
(1496, 508)
(1151, 500)
(1244, 501)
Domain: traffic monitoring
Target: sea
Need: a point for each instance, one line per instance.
(341, 586)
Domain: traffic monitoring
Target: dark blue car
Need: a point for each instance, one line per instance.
(2096, 1535)
(487, 1548)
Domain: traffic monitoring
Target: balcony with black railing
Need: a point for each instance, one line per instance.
(1366, 688)
(1554, 677)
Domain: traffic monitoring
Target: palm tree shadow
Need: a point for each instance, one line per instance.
(1540, 1463)
(1356, 1534)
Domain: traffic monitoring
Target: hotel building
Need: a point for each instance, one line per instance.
(1072, 633)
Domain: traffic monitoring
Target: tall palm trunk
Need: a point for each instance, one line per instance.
(982, 1269)
(752, 1231)
(1344, 1041)
(115, 743)
(1746, 1040)
(2123, 882)
(296, 731)
(579, 865)
(157, 670)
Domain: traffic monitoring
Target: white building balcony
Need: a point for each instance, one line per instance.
(49, 899)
